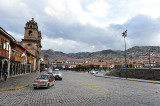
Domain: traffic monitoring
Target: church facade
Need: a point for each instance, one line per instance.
(32, 42)
(22, 57)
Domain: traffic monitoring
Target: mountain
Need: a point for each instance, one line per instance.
(137, 51)
(53, 55)
(134, 52)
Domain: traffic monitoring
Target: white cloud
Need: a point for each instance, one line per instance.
(122, 2)
(98, 9)
(74, 11)
(55, 8)
(83, 25)
(14, 7)
(147, 7)
(67, 46)
(17, 36)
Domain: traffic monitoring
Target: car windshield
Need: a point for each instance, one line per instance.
(56, 72)
(43, 77)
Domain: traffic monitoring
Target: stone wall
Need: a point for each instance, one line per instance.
(149, 74)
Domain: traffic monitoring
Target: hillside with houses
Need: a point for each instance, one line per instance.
(135, 52)
(137, 55)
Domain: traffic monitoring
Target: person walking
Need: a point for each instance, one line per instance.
(5, 75)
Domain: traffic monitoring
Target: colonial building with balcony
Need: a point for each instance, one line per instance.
(5, 40)
(11, 59)
(20, 64)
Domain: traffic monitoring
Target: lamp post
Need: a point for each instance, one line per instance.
(124, 34)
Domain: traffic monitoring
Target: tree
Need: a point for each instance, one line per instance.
(131, 65)
(91, 66)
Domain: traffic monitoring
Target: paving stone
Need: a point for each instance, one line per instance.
(82, 89)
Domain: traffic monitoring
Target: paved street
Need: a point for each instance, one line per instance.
(83, 89)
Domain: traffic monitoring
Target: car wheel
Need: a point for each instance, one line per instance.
(48, 86)
(61, 78)
(35, 87)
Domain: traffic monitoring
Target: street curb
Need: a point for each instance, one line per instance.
(142, 81)
(18, 88)
(107, 77)
(127, 79)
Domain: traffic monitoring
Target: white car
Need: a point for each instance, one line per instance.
(49, 71)
(56, 69)
(93, 72)
(57, 74)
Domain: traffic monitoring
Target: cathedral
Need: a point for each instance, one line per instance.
(32, 42)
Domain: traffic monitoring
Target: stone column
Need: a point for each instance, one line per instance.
(8, 69)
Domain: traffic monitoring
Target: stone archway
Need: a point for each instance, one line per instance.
(5, 67)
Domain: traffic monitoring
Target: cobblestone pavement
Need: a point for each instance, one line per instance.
(83, 89)
(18, 81)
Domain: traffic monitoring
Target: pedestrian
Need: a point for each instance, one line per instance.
(5, 75)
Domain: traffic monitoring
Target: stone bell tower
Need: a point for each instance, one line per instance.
(32, 41)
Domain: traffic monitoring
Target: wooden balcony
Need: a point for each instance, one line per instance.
(4, 53)
(17, 59)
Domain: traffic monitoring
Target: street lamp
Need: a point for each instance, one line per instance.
(124, 34)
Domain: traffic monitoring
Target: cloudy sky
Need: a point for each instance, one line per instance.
(74, 26)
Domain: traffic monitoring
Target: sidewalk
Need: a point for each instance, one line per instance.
(129, 79)
(18, 82)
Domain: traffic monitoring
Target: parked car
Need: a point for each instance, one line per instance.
(93, 72)
(56, 69)
(44, 80)
(49, 71)
(57, 75)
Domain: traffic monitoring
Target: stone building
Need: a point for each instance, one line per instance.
(5, 47)
(32, 42)
(44, 62)
(46, 59)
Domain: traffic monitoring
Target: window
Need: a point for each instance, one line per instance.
(13, 52)
(5, 45)
(30, 33)
(29, 44)
(16, 53)
(1, 45)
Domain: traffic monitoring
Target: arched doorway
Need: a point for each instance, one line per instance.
(5, 67)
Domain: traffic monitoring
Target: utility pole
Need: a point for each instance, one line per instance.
(124, 34)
